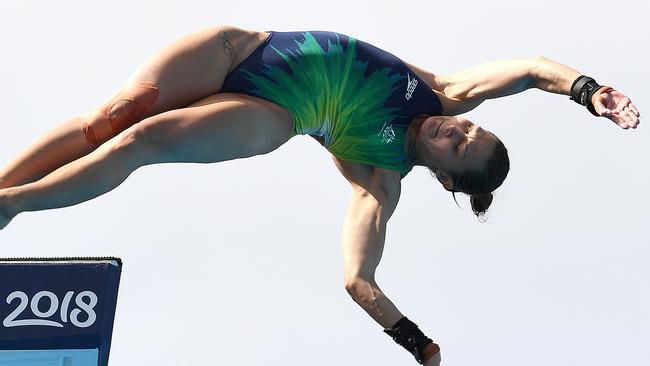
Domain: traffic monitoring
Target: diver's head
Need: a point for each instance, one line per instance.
(463, 157)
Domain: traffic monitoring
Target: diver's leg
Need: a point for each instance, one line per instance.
(223, 127)
(181, 73)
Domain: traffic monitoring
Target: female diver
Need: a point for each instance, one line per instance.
(225, 92)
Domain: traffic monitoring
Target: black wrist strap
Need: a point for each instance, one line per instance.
(576, 89)
(590, 94)
(408, 335)
(582, 90)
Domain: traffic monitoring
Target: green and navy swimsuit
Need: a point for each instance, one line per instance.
(357, 99)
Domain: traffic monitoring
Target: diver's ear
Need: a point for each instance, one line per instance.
(445, 180)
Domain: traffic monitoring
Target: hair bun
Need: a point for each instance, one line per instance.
(480, 203)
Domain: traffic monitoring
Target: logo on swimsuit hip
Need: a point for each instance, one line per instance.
(410, 87)
(387, 134)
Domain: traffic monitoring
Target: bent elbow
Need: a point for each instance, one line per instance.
(355, 287)
(351, 288)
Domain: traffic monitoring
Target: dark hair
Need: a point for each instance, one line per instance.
(479, 184)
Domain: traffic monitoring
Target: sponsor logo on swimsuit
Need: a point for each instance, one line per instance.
(410, 87)
(387, 134)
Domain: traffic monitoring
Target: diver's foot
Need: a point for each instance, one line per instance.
(5, 215)
(4, 220)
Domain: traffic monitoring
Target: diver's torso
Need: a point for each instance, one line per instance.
(356, 98)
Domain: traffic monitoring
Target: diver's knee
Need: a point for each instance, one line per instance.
(128, 107)
(151, 137)
(132, 146)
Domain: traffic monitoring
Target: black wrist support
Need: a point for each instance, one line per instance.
(408, 335)
(582, 89)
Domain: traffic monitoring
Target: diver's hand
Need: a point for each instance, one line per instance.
(614, 105)
(433, 361)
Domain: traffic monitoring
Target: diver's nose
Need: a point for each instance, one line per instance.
(452, 130)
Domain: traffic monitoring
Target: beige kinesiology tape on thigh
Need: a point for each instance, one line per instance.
(119, 113)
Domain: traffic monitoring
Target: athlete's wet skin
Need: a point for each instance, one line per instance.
(226, 92)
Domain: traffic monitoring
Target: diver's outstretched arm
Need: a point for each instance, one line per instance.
(464, 90)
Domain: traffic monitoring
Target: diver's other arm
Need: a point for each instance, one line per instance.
(554, 77)
(375, 193)
(464, 90)
(364, 232)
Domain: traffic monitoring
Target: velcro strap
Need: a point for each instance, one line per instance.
(590, 94)
(576, 89)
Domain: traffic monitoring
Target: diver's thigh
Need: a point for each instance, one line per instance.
(193, 66)
(183, 72)
(229, 126)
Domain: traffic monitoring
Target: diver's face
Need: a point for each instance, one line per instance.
(453, 144)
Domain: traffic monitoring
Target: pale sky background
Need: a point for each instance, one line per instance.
(239, 263)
